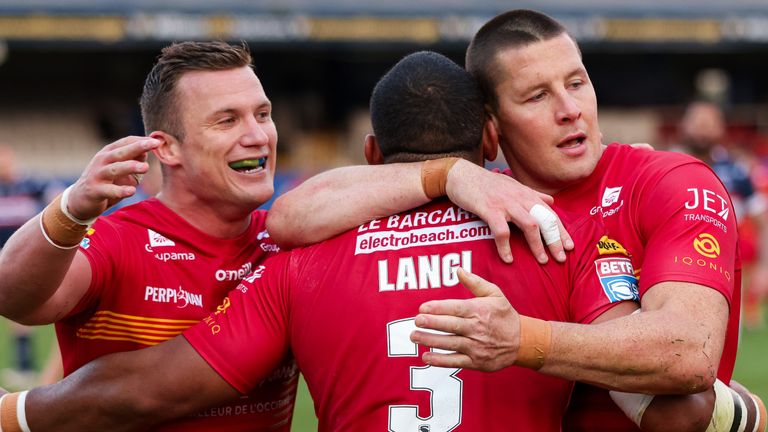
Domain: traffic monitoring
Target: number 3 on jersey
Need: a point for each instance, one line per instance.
(444, 386)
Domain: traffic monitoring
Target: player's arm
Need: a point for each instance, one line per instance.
(42, 274)
(720, 408)
(126, 391)
(569, 351)
(658, 351)
(343, 198)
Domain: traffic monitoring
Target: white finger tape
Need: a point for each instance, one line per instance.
(547, 221)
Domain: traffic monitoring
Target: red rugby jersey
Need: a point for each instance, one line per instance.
(154, 275)
(675, 217)
(345, 308)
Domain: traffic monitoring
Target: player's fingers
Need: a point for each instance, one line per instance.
(123, 142)
(132, 149)
(113, 192)
(439, 342)
(452, 307)
(565, 237)
(437, 323)
(533, 237)
(548, 199)
(477, 285)
(116, 170)
(557, 249)
(642, 146)
(453, 360)
(500, 230)
(548, 222)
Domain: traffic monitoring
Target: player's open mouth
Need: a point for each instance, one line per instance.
(249, 166)
(572, 142)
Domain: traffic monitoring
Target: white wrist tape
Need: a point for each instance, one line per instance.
(547, 221)
(1, 416)
(632, 404)
(21, 411)
(65, 210)
(729, 410)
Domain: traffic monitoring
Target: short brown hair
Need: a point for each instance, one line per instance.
(513, 29)
(158, 102)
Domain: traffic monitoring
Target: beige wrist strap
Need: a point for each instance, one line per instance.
(434, 176)
(60, 230)
(535, 342)
(9, 421)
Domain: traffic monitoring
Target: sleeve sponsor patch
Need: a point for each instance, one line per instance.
(609, 246)
(86, 242)
(617, 278)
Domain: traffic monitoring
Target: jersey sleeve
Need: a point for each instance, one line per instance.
(601, 273)
(688, 220)
(247, 336)
(102, 246)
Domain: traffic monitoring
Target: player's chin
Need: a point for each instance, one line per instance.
(262, 193)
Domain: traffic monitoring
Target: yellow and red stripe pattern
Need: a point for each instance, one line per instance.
(108, 325)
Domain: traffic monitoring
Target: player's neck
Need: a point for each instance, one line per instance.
(210, 218)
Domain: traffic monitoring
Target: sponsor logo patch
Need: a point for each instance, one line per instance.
(609, 246)
(707, 245)
(611, 195)
(233, 274)
(178, 296)
(256, 274)
(86, 242)
(222, 308)
(157, 239)
(617, 278)
(708, 201)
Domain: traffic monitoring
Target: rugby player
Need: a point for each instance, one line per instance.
(147, 272)
(670, 211)
(345, 307)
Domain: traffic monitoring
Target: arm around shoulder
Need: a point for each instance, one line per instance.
(673, 347)
(341, 199)
(125, 391)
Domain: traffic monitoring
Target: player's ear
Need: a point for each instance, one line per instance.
(490, 144)
(492, 128)
(169, 151)
(372, 151)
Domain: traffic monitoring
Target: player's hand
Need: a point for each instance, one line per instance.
(485, 330)
(112, 174)
(642, 146)
(498, 199)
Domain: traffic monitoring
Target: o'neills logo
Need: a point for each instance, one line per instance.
(236, 274)
(706, 244)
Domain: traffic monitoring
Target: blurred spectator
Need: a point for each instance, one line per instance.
(703, 135)
(21, 198)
